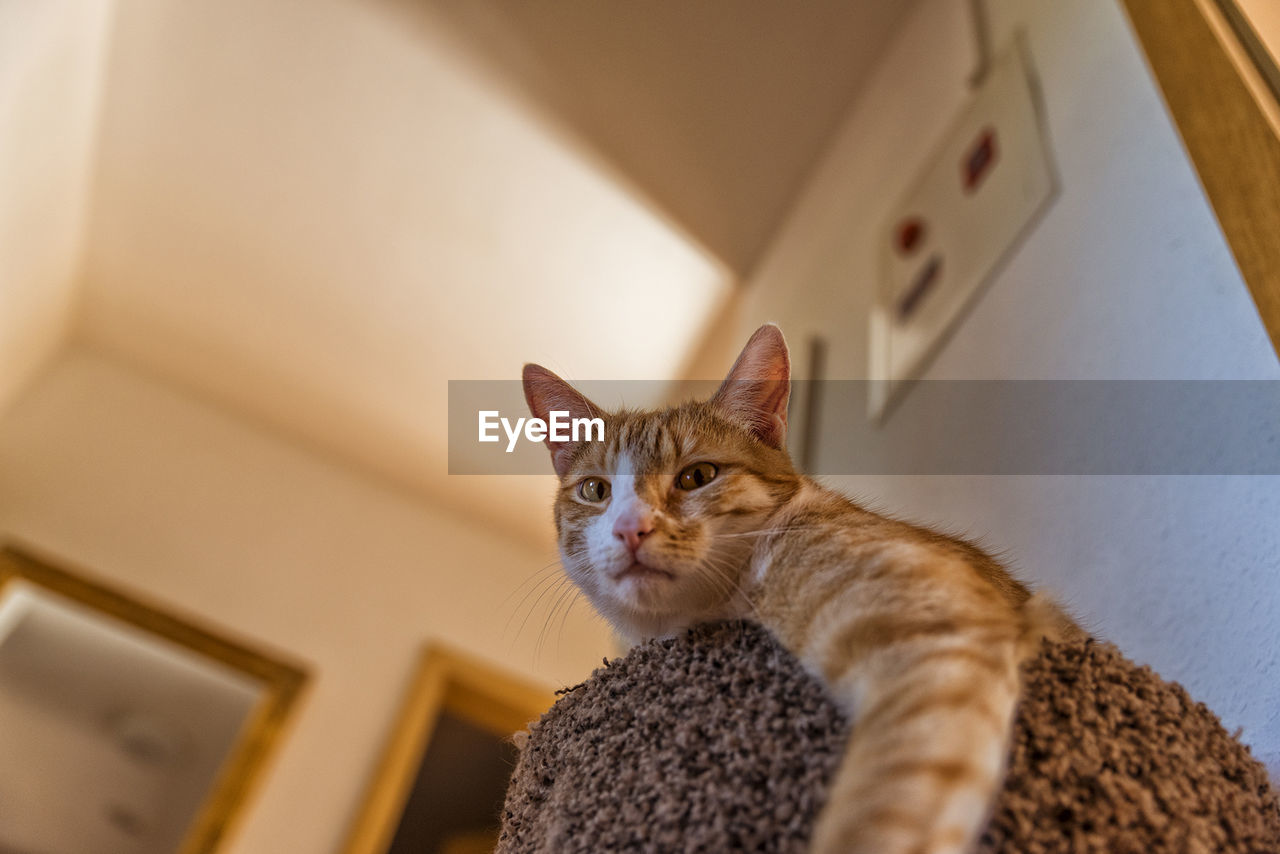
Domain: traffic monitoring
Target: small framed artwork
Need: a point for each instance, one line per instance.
(442, 779)
(126, 727)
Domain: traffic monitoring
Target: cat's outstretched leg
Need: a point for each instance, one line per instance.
(927, 752)
(923, 654)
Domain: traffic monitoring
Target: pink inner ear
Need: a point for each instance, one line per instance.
(756, 391)
(544, 392)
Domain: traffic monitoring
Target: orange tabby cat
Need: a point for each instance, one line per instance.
(696, 513)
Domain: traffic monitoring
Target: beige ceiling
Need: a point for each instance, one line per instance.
(318, 212)
(715, 109)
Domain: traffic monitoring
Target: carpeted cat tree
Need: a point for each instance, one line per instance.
(717, 741)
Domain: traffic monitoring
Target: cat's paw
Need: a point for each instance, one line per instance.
(884, 834)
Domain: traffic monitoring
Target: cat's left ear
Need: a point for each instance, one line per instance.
(756, 391)
(546, 393)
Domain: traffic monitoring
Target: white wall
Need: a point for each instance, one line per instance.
(51, 57)
(1127, 276)
(155, 490)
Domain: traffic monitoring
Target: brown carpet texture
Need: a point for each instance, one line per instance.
(718, 741)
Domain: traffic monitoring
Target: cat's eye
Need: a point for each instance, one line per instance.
(594, 489)
(696, 475)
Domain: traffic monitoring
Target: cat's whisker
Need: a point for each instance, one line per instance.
(764, 532)
(558, 563)
(718, 585)
(547, 585)
(574, 596)
(564, 618)
(561, 596)
(539, 579)
(554, 565)
(759, 617)
(708, 563)
(558, 594)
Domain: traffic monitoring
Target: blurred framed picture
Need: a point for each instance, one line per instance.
(126, 727)
(444, 773)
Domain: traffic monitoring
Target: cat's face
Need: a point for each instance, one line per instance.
(657, 522)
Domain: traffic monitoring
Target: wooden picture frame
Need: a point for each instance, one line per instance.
(448, 682)
(29, 582)
(1229, 119)
(1263, 46)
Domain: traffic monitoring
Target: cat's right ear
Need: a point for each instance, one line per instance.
(546, 393)
(756, 392)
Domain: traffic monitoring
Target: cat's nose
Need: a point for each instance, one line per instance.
(631, 528)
